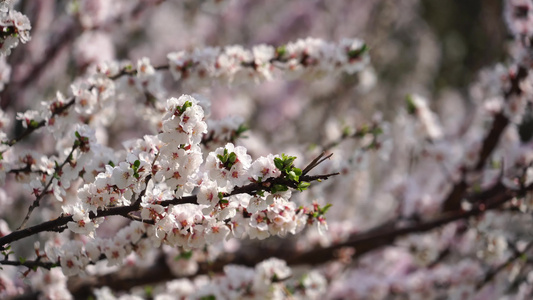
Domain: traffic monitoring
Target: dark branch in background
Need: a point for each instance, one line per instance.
(500, 122)
(373, 239)
(31, 128)
(59, 41)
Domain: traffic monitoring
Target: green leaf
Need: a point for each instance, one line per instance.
(302, 186)
(410, 105)
(346, 131)
(288, 162)
(278, 163)
(297, 171)
(148, 291)
(292, 176)
(356, 53)
(184, 255)
(136, 164)
(377, 131)
(208, 297)
(279, 188)
(77, 134)
(232, 157)
(523, 257)
(242, 128)
(183, 108)
(324, 209)
(362, 131)
(281, 50)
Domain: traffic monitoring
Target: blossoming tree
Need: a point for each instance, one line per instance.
(181, 179)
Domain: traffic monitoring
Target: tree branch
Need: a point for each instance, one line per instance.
(52, 225)
(500, 122)
(363, 243)
(31, 264)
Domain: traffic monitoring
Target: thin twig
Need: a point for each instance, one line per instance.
(30, 129)
(37, 200)
(313, 163)
(29, 263)
(500, 122)
(491, 274)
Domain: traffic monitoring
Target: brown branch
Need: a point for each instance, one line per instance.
(53, 225)
(64, 38)
(500, 122)
(29, 264)
(30, 129)
(318, 160)
(130, 277)
(27, 169)
(365, 242)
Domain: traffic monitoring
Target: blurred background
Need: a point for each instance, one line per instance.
(431, 48)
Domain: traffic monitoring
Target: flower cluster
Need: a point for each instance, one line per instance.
(162, 181)
(234, 63)
(14, 27)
